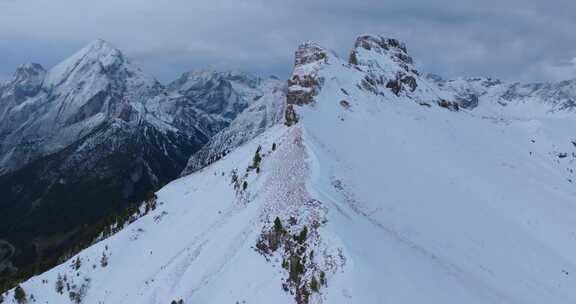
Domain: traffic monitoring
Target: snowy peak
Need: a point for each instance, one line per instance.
(42, 112)
(97, 51)
(100, 79)
(304, 83)
(98, 59)
(393, 48)
(308, 53)
(386, 63)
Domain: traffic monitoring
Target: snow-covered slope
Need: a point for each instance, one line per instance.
(376, 190)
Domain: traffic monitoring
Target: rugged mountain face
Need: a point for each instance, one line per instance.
(43, 112)
(383, 64)
(376, 190)
(80, 142)
(260, 115)
(221, 94)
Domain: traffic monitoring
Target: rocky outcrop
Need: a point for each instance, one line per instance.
(308, 53)
(304, 83)
(386, 63)
(290, 116)
(383, 46)
(450, 105)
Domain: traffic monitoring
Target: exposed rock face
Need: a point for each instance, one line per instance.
(391, 47)
(386, 63)
(290, 116)
(304, 84)
(450, 105)
(310, 52)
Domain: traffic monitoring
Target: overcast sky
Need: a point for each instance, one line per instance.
(524, 40)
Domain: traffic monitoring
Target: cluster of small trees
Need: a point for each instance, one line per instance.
(76, 264)
(104, 260)
(60, 283)
(297, 261)
(256, 160)
(77, 294)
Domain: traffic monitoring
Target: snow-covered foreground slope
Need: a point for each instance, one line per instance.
(403, 201)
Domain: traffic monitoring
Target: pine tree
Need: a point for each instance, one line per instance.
(278, 226)
(302, 236)
(244, 185)
(274, 147)
(19, 295)
(257, 159)
(104, 260)
(77, 264)
(314, 284)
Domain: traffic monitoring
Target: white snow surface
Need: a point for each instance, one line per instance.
(419, 205)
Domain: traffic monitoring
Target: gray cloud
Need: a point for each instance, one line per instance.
(524, 40)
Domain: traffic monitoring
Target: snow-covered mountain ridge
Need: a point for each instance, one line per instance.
(496, 97)
(381, 187)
